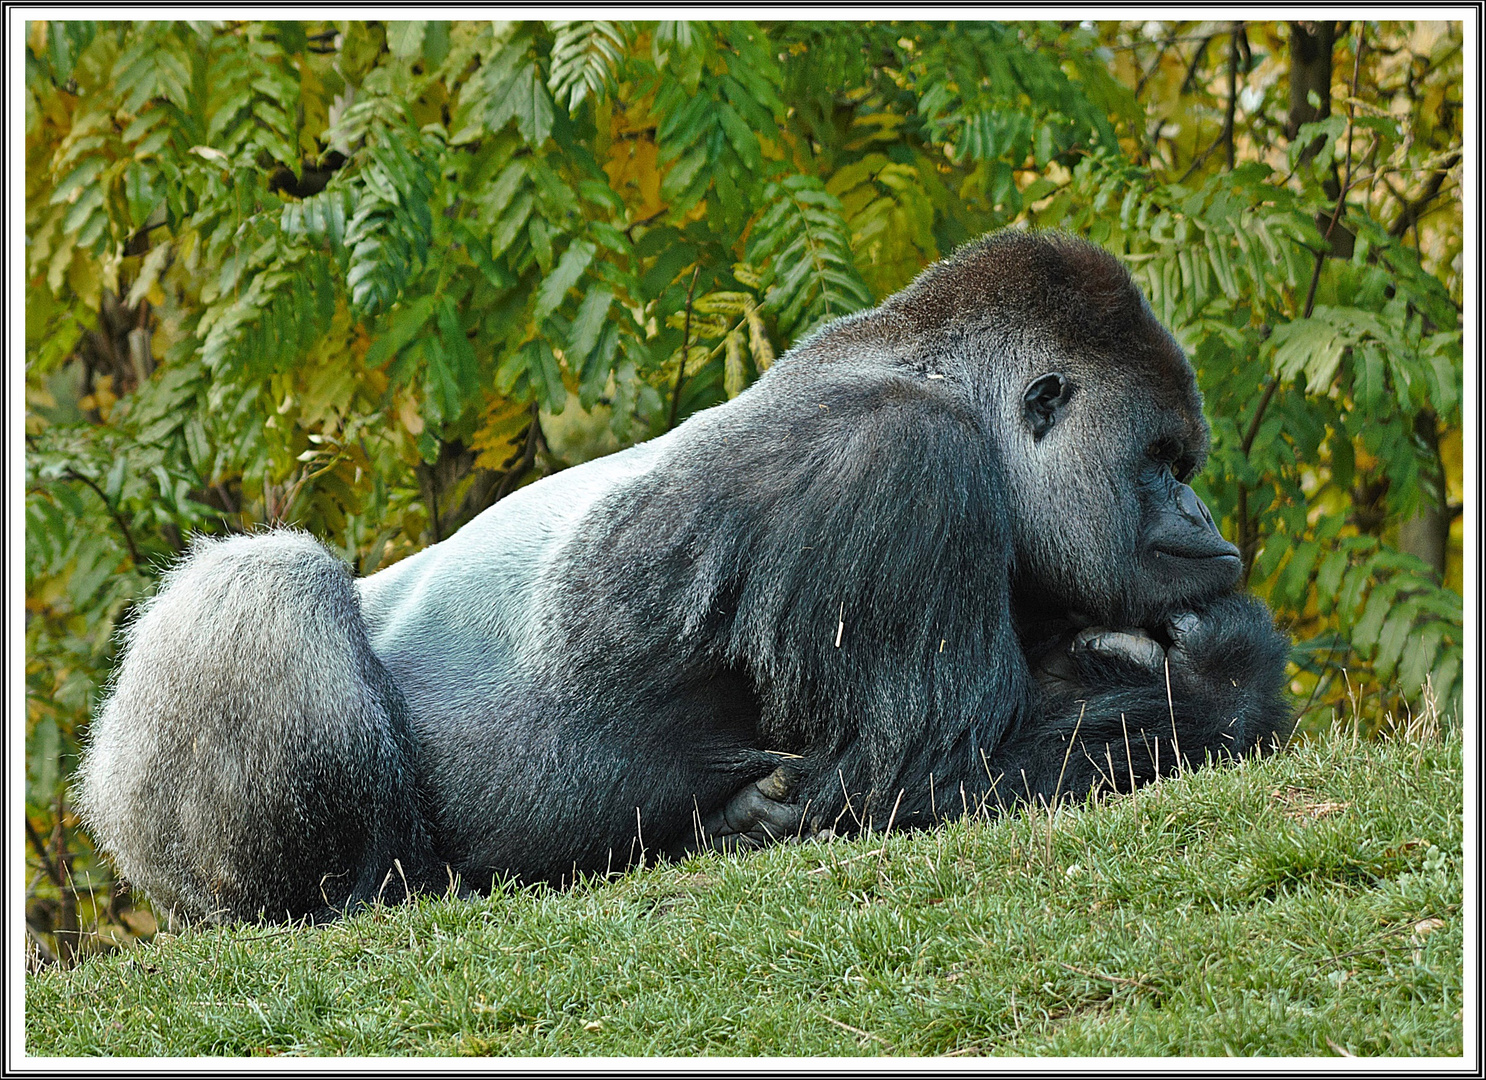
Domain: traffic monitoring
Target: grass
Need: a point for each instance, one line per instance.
(1309, 904)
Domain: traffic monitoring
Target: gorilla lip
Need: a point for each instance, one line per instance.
(1228, 552)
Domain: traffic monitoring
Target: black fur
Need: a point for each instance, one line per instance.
(893, 557)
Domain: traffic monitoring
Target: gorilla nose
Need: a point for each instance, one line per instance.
(1190, 505)
(1185, 528)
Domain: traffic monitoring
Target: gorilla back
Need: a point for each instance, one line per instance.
(942, 554)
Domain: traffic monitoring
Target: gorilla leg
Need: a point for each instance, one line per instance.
(253, 758)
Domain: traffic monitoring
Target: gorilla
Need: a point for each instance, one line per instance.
(941, 557)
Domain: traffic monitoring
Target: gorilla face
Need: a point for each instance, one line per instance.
(1181, 556)
(1105, 431)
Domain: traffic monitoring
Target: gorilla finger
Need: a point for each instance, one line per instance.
(1056, 668)
(780, 783)
(738, 814)
(1132, 646)
(1183, 624)
(751, 808)
(1186, 630)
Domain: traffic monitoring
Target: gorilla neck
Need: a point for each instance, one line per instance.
(1038, 611)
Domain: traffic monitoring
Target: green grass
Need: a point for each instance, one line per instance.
(1306, 905)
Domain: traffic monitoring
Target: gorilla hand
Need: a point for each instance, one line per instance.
(1083, 660)
(758, 815)
(1226, 647)
(1206, 647)
(1132, 646)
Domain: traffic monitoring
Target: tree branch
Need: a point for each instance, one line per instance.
(47, 863)
(528, 457)
(1233, 56)
(1413, 209)
(1245, 529)
(1190, 80)
(633, 225)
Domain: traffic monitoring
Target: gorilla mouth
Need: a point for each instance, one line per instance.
(1217, 564)
(1217, 558)
(1200, 547)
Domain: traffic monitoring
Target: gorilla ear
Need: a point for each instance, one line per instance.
(1044, 400)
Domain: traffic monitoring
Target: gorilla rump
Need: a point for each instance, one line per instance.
(942, 555)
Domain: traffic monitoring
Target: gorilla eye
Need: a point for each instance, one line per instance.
(1044, 400)
(1168, 452)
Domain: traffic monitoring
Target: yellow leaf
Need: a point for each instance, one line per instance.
(503, 422)
(407, 412)
(631, 167)
(758, 340)
(733, 377)
(723, 303)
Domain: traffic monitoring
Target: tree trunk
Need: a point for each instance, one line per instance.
(1427, 533)
(1311, 48)
(1311, 45)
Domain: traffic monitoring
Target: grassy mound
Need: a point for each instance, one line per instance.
(1308, 904)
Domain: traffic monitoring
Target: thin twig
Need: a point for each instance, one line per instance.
(642, 222)
(46, 858)
(855, 1030)
(1253, 429)
(1190, 79)
(1105, 978)
(1413, 209)
(1225, 137)
(1325, 666)
(118, 518)
(1233, 55)
(1272, 383)
(1058, 787)
(1176, 746)
(835, 863)
(1129, 760)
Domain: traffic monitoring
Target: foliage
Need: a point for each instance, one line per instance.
(369, 277)
(1305, 905)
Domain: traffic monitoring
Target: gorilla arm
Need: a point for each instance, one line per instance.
(1204, 678)
(1207, 683)
(870, 599)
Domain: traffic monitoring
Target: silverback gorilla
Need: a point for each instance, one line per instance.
(942, 555)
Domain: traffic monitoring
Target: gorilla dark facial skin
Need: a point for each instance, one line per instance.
(936, 542)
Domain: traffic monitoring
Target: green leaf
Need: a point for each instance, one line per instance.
(1392, 639)
(525, 98)
(593, 314)
(404, 325)
(405, 38)
(563, 277)
(584, 55)
(546, 376)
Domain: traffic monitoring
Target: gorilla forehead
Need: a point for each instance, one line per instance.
(1073, 296)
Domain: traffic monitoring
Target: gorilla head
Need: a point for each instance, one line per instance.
(1098, 418)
